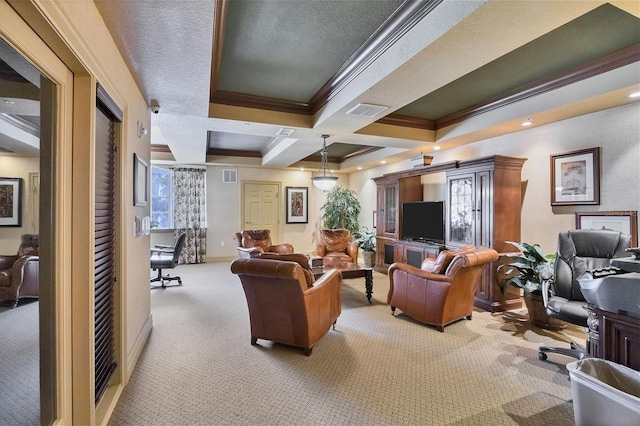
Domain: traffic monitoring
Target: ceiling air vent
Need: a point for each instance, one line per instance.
(366, 110)
(229, 176)
(285, 132)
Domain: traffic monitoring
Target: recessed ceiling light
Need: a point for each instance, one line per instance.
(359, 168)
(635, 94)
(436, 148)
(302, 169)
(527, 122)
(383, 162)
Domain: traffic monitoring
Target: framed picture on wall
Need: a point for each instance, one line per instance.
(297, 204)
(10, 201)
(140, 181)
(575, 177)
(621, 221)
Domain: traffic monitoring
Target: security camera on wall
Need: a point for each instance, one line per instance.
(154, 106)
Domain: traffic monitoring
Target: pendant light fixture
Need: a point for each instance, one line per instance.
(324, 180)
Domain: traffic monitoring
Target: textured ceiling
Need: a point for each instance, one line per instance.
(232, 73)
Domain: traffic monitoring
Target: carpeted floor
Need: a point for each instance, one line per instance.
(375, 369)
(19, 365)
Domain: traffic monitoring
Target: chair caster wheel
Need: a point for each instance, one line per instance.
(542, 356)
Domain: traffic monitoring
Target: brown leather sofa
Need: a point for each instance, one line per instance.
(252, 242)
(443, 295)
(19, 273)
(283, 306)
(335, 245)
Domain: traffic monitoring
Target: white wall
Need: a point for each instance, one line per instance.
(616, 131)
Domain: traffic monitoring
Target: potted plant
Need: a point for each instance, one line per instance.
(341, 210)
(528, 269)
(366, 240)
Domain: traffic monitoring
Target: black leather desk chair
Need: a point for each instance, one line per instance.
(578, 251)
(166, 257)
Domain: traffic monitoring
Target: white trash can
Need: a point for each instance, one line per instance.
(604, 393)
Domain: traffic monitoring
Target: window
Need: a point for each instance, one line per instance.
(161, 198)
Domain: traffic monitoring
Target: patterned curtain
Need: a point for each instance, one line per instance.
(190, 212)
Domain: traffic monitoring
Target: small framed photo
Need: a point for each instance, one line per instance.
(621, 221)
(10, 201)
(575, 177)
(297, 204)
(140, 181)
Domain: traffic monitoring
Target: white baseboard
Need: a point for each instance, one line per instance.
(138, 346)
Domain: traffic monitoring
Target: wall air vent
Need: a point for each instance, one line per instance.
(229, 176)
(366, 110)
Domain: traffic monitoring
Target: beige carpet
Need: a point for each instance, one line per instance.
(375, 369)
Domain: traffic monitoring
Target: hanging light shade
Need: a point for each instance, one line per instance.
(324, 180)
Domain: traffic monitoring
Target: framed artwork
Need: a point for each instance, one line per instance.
(575, 177)
(621, 221)
(10, 201)
(297, 204)
(140, 181)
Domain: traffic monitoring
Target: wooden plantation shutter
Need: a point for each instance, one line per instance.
(104, 279)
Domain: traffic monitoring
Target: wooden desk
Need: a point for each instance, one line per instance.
(614, 337)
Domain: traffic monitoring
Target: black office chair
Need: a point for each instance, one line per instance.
(578, 251)
(166, 257)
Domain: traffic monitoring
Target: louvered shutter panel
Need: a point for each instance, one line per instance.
(104, 279)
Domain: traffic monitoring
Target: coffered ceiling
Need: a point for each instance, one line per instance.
(257, 82)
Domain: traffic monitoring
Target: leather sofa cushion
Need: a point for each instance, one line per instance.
(446, 256)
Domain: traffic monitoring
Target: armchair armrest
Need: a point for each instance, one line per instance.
(320, 250)
(546, 290)
(323, 303)
(248, 252)
(427, 275)
(163, 246)
(284, 248)
(352, 251)
(6, 262)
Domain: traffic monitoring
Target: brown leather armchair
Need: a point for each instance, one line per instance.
(438, 298)
(19, 273)
(252, 242)
(336, 246)
(283, 307)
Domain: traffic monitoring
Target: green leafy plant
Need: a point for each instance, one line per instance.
(366, 239)
(527, 269)
(341, 210)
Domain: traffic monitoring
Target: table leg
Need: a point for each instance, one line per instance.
(368, 284)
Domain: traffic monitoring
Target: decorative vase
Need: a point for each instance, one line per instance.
(538, 314)
(369, 258)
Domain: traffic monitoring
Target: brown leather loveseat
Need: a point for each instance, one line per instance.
(444, 291)
(283, 306)
(19, 272)
(336, 246)
(252, 242)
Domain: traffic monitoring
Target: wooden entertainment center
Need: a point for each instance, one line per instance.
(482, 208)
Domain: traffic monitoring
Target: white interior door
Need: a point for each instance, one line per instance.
(261, 207)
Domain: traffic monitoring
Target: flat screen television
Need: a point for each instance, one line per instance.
(423, 221)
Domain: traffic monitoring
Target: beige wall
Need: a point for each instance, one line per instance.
(81, 40)
(616, 131)
(18, 167)
(225, 204)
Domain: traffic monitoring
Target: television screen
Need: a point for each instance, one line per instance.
(423, 221)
